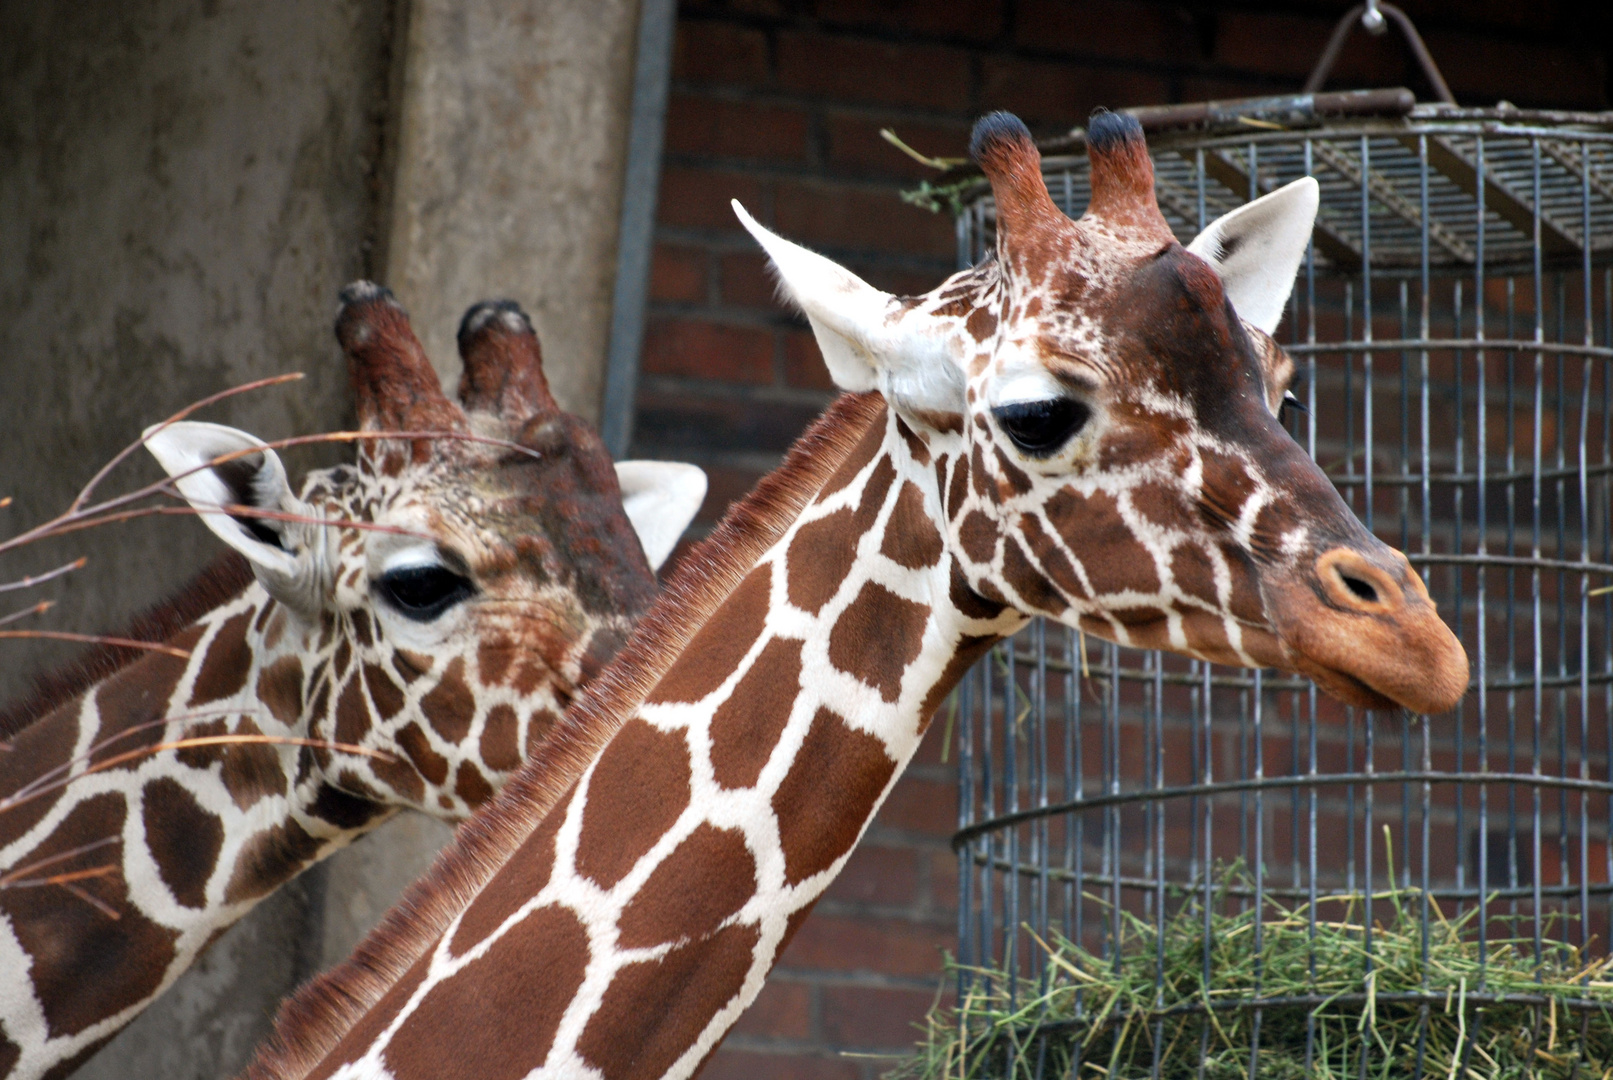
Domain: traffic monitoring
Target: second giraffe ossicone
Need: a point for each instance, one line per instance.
(488, 572)
(1082, 427)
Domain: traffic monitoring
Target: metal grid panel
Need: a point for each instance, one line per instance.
(1455, 349)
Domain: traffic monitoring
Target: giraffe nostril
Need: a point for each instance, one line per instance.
(1360, 588)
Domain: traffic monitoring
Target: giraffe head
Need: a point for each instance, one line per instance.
(1102, 402)
(495, 567)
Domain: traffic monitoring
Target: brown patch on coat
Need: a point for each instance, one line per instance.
(969, 649)
(352, 713)
(493, 660)
(38, 749)
(514, 1006)
(1118, 561)
(251, 771)
(704, 882)
(411, 665)
(280, 688)
(978, 538)
(384, 693)
(1028, 582)
(715, 651)
(968, 602)
(139, 694)
(828, 795)
(268, 860)
(450, 706)
(431, 765)
(1014, 481)
(747, 726)
(877, 637)
(689, 985)
(981, 324)
(470, 785)
(911, 538)
(86, 966)
(500, 734)
(820, 558)
(1050, 558)
(402, 776)
(224, 668)
(515, 884)
(184, 840)
(917, 448)
(639, 787)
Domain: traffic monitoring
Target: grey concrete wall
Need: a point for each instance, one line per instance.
(184, 186)
(512, 138)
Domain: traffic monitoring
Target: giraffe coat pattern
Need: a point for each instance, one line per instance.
(1082, 427)
(546, 577)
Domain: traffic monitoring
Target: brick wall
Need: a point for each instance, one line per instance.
(779, 103)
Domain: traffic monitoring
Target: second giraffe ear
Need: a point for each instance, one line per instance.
(660, 498)
(869, 339)
(251, 477)
(1257, 249)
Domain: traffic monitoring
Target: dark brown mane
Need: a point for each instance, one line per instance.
(313, 1021)
(223, 579)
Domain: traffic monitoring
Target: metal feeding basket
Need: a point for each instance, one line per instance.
(1162, 851)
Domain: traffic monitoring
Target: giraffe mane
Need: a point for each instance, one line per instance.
(314, 1019)
(224, 579)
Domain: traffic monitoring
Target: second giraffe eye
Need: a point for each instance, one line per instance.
(1040, 428)
(424, 592)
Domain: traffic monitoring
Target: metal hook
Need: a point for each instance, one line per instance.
(1372, 18)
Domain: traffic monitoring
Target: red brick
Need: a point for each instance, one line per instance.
(697, 125)
(708, 351)
(968, 20)
(873, 1018)
(1108, 28)
(944, 881)
(1271, 44)
(847, 69)
(1053, 97)
(891, 946)
(699, 198)
(855, 145)
(711, 52)
(732, 1064)
(824, 215)
(922, 806)
(747, 281)
(783, 1010)
(803, 363)
(677, 274)
(876, 874)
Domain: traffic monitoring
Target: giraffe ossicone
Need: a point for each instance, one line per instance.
(434, 605)
(1080, 427)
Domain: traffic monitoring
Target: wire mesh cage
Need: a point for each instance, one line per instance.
(1171, 868)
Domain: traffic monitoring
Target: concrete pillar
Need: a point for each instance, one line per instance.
(183, 189)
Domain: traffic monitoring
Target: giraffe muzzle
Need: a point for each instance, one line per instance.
(1365, 629)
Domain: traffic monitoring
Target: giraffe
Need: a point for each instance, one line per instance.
(1079, 427)
(504, 575)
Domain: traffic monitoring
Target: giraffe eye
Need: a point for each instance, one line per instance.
(424, 592)
(1040, 428)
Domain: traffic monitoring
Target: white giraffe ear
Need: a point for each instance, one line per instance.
(661, 498)
(188, 451)
(868, 339)
(1258, 247)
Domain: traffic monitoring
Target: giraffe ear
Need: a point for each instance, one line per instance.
(869, 339)
(251, 476)
(661, 498)
(1258, 247)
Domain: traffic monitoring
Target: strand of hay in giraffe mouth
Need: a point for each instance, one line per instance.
(1460, 1013)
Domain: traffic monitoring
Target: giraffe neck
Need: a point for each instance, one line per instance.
(635, 922)
(174, 844)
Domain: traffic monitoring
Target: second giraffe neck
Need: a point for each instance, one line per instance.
(640, 917)
(176, 843)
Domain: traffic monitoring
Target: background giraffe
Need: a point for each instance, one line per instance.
(504, 577)
(1078, 427)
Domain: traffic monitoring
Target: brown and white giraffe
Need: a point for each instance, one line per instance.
(505, 576)
(1079, 427)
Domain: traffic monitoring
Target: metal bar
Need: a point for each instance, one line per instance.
(1515, 209)
(1339, 251)
(1386, 193)
(652, 72)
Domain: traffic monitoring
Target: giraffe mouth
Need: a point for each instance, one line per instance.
(1368, 633)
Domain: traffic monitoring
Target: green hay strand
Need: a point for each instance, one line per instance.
(1091, 1018)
